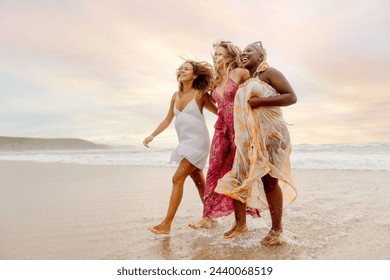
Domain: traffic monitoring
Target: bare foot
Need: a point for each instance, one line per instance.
(159, 229)
(272, 238)
(203, 223)
(237, 229)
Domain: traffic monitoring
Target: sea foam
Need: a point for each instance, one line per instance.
(361, 156)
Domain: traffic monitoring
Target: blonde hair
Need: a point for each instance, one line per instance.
(258, 46)
(232, 60)
(204, 81)
(260, 49)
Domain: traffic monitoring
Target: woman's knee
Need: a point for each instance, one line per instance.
(269, 183)
(184, 169)
(178, 179)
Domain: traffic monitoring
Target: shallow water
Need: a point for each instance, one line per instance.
(62, 211)
(331, 219)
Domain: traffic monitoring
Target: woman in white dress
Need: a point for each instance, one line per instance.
(195, 80)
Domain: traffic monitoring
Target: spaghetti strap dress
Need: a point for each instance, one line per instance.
(193, 136)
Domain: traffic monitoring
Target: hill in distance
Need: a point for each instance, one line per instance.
(45, 144)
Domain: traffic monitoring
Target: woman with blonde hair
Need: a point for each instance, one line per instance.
(195, 80)
(228, 76)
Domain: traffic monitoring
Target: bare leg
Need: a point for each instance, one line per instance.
(275, 201)
(240, 216)
(184, 169)
(200, 183)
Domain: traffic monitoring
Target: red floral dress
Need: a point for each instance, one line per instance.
(222, 155)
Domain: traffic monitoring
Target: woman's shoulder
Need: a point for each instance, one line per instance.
(174, 95)
(271, 71)
(271, 75)
(202, 94)
(239, 70)
(239, 75)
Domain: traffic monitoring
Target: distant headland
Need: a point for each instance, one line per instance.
(45, 144)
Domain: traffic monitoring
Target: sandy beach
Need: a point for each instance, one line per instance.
(60, 211)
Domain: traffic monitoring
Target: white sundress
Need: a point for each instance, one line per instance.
(193, 135)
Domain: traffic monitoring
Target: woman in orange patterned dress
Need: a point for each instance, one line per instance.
(260, 177)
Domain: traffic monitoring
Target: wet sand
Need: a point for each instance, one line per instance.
(58, 211)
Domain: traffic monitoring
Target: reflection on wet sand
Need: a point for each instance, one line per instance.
(166, 251)
(203, 244)
(67, 211)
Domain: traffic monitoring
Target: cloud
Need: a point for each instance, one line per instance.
(106, 70)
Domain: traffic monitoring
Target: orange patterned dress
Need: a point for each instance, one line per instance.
(263, 146)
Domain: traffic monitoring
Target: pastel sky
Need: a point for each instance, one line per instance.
(105, 70)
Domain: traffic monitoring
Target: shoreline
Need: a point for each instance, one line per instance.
(173, 166)
(76, 211)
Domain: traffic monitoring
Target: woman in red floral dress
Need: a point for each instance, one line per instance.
(229, 75)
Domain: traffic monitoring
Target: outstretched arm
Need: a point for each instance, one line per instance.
(286, 95)
(163, 125)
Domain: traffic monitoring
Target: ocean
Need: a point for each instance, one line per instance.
(359, 156)
(100, 207)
